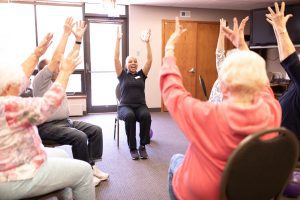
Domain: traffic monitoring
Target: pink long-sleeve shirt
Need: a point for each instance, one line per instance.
(213, 130)
(21, 150)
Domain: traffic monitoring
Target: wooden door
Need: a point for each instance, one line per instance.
(185, 52)
(207, 37)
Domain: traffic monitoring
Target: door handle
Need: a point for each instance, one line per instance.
(192, 70)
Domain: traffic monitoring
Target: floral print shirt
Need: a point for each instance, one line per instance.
(216, 95)
(21, 149)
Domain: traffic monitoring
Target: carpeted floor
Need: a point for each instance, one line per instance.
(141, 179)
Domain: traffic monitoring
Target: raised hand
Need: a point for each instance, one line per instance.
(119, 34)
(44, 44)
(146, 36)
(175, 36)
(236, 35)
(79, 30)
(277, 18)
(70, 62)
(68, 26)
(222, 24)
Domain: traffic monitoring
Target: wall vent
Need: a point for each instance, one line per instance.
(185, 14)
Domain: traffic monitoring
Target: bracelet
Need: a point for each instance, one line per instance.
(78, 42)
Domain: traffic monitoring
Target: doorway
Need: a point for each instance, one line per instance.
(101, 79)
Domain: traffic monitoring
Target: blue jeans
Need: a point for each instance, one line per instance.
(175, 162)
(57, 172)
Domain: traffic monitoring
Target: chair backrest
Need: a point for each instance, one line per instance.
(258, 169)
(202, 84)
(118, 92)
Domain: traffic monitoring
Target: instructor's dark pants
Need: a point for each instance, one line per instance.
(131, 114)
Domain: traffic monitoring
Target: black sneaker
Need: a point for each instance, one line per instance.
(143, 152)
(134, 154)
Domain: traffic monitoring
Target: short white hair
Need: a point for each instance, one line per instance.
(244, 72)
(10, 74)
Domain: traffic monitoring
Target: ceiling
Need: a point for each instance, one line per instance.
(214, 4)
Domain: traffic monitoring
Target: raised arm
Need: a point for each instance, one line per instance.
(278, 21)
(236, 35)
(118, 65)
(148, 63)
(29, 64)
(60, 49)
(220, 50)
(67, 67)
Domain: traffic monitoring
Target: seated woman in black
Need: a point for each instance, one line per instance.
(133, 106)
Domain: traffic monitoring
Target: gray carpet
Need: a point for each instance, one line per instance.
(141, 179)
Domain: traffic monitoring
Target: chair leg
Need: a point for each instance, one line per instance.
(118, 132)
(115, 128)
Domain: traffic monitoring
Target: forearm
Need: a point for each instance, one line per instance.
(118, 66)
(220, 43)
(58, 53)
(29, 64)
(63, 78)
(149, 52)
(285, 45)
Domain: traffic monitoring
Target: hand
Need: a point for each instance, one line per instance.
(277, 18)
(70, 62)
(68, 25)
(119, 34)
(146, 36)
(43, 46)
(236, 36)
(222, 24)
(175, 36)
(79, 30)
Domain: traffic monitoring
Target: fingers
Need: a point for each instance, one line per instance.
(243, 23)
(270, 21)
(227, 31)
(235, 24)
(276, 7)
(271, 11)
(288, 17)
(282, 10)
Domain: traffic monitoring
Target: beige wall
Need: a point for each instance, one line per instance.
(144, 17)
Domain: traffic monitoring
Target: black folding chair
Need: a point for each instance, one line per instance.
(260, 168)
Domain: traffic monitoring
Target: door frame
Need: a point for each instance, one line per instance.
(87, 58)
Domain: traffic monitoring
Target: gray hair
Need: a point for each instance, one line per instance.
(10, 75)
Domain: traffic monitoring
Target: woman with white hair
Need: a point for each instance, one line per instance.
(133, 105)
(215, 130)
(27, 168)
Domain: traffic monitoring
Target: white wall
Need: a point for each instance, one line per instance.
(144, 17)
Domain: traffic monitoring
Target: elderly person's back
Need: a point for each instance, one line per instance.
(215, 130)
(25, 168)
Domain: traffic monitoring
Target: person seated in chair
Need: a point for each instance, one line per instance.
(215, 130)
(27, 168)
(86, 139)
(290, 100)
(133, 106)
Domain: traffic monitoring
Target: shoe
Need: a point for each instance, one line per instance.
(134, 154)
(96, 181)
(143, 152)
(102, 176)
